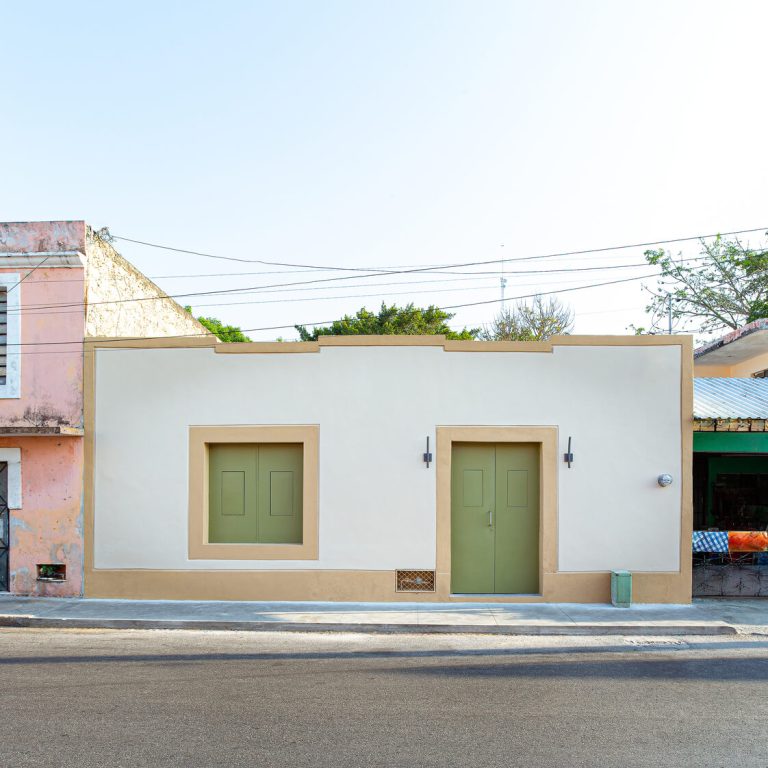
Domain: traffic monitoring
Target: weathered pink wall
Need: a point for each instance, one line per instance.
(51, 372)
(48, 527)
(42, 236)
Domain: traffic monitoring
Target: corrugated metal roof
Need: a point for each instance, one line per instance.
(730, 398)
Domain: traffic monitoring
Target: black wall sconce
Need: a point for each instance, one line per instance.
(427, 455)
(568, 457)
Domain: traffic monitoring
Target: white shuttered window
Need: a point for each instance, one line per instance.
(3, 333)
(10, 335)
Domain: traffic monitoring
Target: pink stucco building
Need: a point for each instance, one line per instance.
(60, 283)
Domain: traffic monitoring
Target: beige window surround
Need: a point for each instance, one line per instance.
(200, 437)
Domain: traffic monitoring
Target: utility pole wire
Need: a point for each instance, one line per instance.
(37, 266)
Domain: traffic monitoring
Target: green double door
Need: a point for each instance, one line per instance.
(495, 518)
(255, 493)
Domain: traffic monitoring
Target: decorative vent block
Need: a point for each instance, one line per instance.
(415, 581)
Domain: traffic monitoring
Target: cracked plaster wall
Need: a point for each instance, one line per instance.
(49, 526)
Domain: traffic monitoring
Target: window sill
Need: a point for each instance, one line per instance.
(206, 551)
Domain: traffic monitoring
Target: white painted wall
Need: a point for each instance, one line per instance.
(375, 407)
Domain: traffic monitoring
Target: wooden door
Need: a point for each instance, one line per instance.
(516, 553)
(472, 508)
(495, 518)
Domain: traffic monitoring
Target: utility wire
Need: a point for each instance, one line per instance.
(290, 286)
(475, 263)
(37, 266)
(380, 272)
(460, 275)
(468, 274)
(328, 322)
(489, 273)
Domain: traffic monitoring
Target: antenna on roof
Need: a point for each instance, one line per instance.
(502, 280)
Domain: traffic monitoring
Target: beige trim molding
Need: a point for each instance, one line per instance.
(200, 438)
(546, 437)
(351, 586)
(449, 345)
(678, 588)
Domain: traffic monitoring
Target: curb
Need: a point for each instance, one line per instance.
(34, 622)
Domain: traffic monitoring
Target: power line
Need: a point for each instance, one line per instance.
(460, 275)
(476, 263)
(327, 322)
(434, 270)
(290, 286)
(375, 274)
(235, 258)
(490, 273)
(547, 293)
(252, 302)
(381, 272)
(37, 266)
(415, 269)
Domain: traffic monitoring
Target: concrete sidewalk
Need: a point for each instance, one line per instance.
(703, 617)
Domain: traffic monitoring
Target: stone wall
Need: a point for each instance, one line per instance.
(111, 285)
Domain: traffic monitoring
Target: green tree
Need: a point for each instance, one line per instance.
(224, 332)
(538, 320)
(726, 287)
(394, 320)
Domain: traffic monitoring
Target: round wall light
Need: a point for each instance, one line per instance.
(664, 480)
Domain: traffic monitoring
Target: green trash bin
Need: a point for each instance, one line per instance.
(621, 588)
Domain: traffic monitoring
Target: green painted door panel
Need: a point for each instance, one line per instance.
(495, 518)
(281, 492)
(280, 485)
(472, 507)
(516, 546)
(232, 494)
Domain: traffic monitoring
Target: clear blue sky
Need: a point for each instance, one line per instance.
(387, 133)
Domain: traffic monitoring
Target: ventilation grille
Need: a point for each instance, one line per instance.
(415, 581)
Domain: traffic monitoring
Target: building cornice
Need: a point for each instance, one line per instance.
(42, 258)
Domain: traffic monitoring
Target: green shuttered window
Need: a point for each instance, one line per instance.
(255, 493)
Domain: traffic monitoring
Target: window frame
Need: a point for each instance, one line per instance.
(200, 437)
(12, 457)
(12, 387)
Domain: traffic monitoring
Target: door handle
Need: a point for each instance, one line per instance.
(490, 518)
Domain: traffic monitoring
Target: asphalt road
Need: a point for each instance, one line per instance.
(160, 698)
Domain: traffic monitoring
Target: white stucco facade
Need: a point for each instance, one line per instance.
(375, 406)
